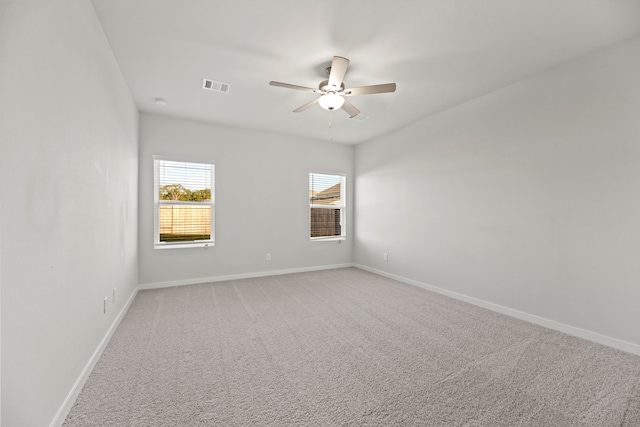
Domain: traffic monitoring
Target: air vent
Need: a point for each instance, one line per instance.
(359, 117)
(215, 86)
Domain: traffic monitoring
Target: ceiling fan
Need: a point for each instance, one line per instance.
(333, 91)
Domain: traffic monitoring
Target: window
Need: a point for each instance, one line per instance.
(184, 204)
(327, 206)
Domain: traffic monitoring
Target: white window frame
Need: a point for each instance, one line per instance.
(157, 203)
(342, 206)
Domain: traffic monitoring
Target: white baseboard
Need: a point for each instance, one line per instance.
(195, 281)
(541, 321)
(77, 387)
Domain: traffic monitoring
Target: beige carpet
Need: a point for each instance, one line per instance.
(346, 347)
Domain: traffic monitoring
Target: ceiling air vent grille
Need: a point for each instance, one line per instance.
(215, 86)
(359, 117)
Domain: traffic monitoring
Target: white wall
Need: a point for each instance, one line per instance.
(261, 194)
(525, 198)
(528, 197)
(68, 167)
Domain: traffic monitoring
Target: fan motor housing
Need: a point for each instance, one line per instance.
(326, 87)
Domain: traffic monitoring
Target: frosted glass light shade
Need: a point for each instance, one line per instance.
(331, 101)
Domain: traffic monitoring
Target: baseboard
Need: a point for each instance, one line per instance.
(77, 387)
(195, 281)
(541, 321)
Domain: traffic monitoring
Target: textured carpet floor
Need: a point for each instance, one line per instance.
(346, 347)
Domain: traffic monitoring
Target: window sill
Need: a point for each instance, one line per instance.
(339, 239)
(204, 245)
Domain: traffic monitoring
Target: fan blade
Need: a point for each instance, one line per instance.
(338, 70)
(306, 106)
(367, 90)
(349, 108)
(296, 87)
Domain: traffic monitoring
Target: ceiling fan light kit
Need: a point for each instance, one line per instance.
(331, 101)
(333, 91)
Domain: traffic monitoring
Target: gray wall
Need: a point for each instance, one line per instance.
(68, 167)
(262, 201)
(528, 197)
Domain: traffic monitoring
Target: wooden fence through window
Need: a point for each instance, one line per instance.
(325, 222)
(185, 223)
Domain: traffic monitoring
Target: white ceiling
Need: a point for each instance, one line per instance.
(441, 53)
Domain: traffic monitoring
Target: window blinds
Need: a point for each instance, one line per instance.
(327, 205)
(185, 202)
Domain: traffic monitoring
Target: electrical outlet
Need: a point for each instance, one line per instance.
(385, 257)
(268, 256)
(104, 307)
